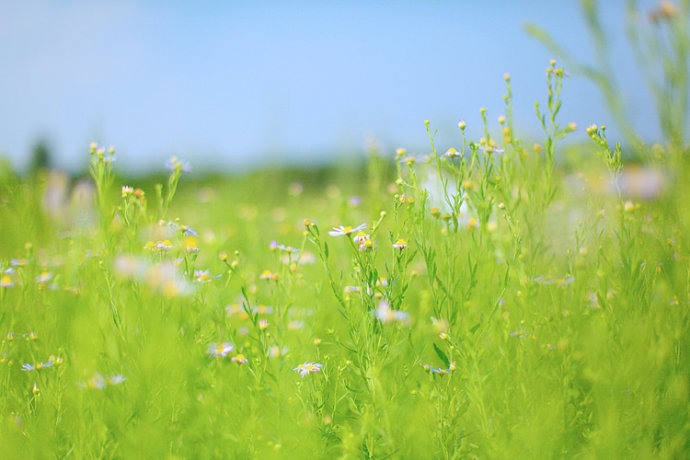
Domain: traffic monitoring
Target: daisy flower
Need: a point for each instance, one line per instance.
(367, 245)
(116, 379)
(262, 309)
(29, 367)
(97, 382)
(268, 275)
(158, 246)
(6, 282)
(386, 314)
(222, 349)
(239, 358)
(295, 325)
(341, 230)
(452, 153)
(204, 276)
(187, 230)
(360, 237)
(175, 164)
(275, 245)
(44, 277)
(400, 244)
(308, 368)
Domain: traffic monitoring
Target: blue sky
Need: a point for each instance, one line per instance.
(230, 85)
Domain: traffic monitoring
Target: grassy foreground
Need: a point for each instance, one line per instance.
(491, 305)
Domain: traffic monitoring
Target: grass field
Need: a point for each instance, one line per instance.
(502, 299)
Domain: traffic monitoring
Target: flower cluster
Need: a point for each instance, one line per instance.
(158, 246)
(363, 239)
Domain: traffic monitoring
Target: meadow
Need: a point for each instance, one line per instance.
(504, 298)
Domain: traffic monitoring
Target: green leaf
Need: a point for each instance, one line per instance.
(442, 356)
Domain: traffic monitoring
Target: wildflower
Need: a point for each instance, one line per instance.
(438, 370)
(308, 368)
(6, 282)
(204, 276)
(127, 191)
(267, 275)
(360, 237)
(385, 314)
(221, 349)
(236, 310)
(367, 245)
(317, 341)
(263, 309)
(295, 325)
(239, 358)
(277, 351)
(452, 153)
(462, 125)
(187, 230)
(275, 245)
(339, 231)
(35, 389)
(491, 148)
(97, 382)
(400, 244)
(400, 151)
(353, 289)
(158, 246)
(28, 367)
(116, 379)
(44, 277)
(139, 194)
(263, 324)
(191, 244)
(520, 333)
(174, 164)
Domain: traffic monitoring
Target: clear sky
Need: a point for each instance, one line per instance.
(230, 84)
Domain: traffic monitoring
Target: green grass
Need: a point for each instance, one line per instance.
(497, 305)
